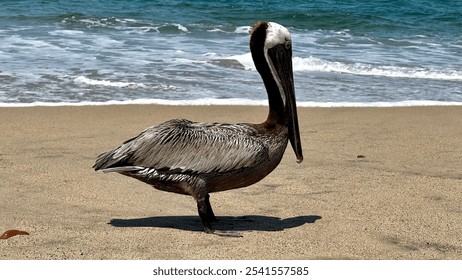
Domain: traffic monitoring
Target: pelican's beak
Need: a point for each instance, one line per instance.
(281, 56)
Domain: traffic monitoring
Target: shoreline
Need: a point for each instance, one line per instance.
(376, 183)
(237, 102)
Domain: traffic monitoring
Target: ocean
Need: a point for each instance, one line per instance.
(345, 53)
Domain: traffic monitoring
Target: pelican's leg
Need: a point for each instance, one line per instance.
(207, 217)
(209, 210)
(206, 213)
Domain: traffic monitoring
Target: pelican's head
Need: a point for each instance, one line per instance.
(271, 47)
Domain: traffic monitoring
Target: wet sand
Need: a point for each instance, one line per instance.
(376, 183)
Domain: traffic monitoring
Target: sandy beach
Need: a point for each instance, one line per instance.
(376, 183)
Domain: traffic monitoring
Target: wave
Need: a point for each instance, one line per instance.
(313, 64)
(141, 26)
(235, 102)
(320, 65)
(107, 83)
(123, 24)
(236, 30)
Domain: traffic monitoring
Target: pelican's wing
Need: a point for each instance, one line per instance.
(183, 145)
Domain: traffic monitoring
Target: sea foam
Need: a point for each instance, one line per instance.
(235, 102)
(313, 64)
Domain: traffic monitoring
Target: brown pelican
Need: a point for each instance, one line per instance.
(198, 158)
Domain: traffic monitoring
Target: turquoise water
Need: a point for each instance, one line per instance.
(196, 52)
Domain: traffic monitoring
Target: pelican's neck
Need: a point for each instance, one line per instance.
(276, 106)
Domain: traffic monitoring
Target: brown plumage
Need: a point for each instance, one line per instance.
(197, 158)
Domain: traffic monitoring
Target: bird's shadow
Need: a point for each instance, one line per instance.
(244, 223)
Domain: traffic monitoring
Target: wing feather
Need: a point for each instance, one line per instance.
(188, 146)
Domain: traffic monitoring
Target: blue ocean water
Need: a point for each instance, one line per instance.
(391, 52)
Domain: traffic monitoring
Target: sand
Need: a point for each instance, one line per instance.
(376, 183)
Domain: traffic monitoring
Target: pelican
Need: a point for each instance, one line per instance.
(198, 158)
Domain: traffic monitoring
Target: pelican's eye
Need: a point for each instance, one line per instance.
(288, 44)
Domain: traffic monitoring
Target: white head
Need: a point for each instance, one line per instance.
(277, 34)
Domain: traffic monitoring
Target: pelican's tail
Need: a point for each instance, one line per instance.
(110, 162)
(121, 169)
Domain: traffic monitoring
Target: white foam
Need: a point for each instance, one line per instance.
(26, 43)
(407, 103)
(320, 65)
(244, 59)
(216, 30)
(66, 32)
(181, 27)
(314, 64)
(238, 30)
(242, 30)
(235, 102)
(106, 83)
(210, 54)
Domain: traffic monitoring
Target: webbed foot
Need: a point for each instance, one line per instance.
(224, 233)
